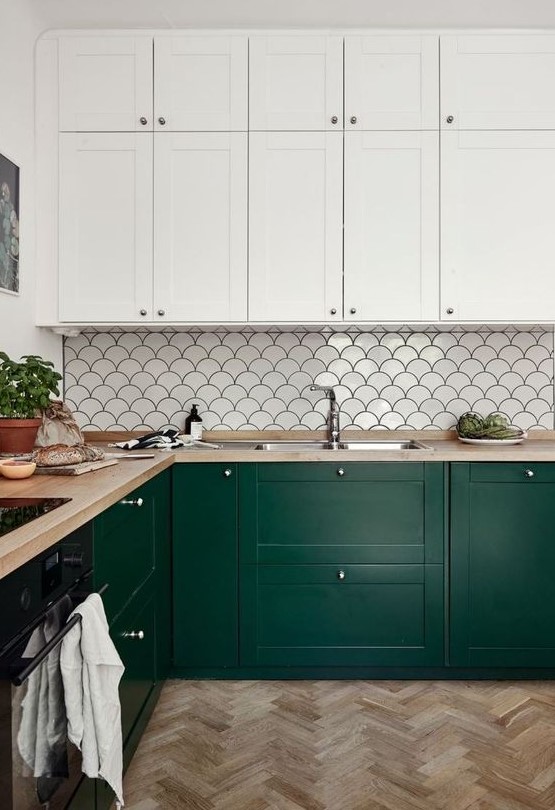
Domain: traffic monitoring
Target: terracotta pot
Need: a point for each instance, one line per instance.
(18, 435)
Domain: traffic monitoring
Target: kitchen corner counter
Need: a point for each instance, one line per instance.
(91, 493)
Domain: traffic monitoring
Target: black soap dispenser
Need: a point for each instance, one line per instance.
(193, 424)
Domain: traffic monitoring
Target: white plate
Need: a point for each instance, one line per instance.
(494, 442)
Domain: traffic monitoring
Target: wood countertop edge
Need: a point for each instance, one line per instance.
(91, 494)
(94, 492)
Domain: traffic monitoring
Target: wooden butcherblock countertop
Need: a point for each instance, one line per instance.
(94, 492)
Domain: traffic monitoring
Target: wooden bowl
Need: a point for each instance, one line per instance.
(12, 468)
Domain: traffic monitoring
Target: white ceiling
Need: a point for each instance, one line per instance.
(290, 13)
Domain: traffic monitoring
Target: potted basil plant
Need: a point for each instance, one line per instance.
(25, 389)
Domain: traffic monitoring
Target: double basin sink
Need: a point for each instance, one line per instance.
(316, 445)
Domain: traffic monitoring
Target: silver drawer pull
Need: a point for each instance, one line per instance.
(341, 575)
(529, 473)
(134, 502)
(138, 634)
(340, 471)
(227, 473)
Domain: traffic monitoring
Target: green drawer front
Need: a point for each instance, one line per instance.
(124, 548)
(374, 616)
(513, 472)
(352, 471)
(138, 656)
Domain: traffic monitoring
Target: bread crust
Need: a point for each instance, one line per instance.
(61, 455)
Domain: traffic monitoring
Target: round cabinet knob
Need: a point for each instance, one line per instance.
(142, 312)
(529, 473)
(353, 119)
(341, 575)
(162, 121)
(333, 311)
(340, 472)
(138, 634)
(134, 502)
(449, 310)
(449, 119)
(143, 120)
(334, 119)
(161, 312)
(227, 473)
(353, 310)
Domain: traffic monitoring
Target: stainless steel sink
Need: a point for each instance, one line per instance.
(353, 444)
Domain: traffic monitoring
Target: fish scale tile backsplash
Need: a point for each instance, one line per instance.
(253, 380)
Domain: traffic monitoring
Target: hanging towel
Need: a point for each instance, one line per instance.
(161, 439)
(41, 737)
(91, 672)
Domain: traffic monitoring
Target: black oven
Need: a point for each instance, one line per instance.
(38, 765)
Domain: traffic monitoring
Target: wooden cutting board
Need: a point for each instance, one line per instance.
(76, 469)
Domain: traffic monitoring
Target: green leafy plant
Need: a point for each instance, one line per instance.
(26, 386)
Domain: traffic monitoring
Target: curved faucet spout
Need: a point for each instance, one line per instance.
(333, 416)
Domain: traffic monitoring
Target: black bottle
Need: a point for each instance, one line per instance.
(193, 424)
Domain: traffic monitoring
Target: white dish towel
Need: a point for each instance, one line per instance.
(91, 672)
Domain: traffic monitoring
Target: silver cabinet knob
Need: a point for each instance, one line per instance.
(340, 472)
(142, 312)
(227, 473)
(134, 502)
(353, 310)
(162, 121)
(334, 119)
(143, 120)
(161, 312)
(529, 473)
(353, 119)
(138, 634)
(450, 119)
(333, 311)
(341, 575)
(449, 310)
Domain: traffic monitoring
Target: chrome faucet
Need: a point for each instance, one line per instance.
(333, 416)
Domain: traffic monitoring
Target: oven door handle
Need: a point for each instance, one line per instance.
(21, 677)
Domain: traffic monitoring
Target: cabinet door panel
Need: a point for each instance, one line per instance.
(392, 82)
(105, 239)
(295, 226)
(295, 82)
(383, 615)
(498, 82)
(391, 226)
(201, 83)
(105, 83)
(200, 216)
(502, 562)
(498, 240)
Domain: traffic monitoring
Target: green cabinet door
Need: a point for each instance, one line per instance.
(502, 565)
(341, 564)
(205, 565)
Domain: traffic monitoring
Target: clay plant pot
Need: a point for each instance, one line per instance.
(18, 435)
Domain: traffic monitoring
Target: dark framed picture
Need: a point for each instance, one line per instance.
(9, 226)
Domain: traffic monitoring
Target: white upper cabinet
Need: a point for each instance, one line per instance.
(200, 83)
(295, 226)
(391, 226)
(105, 83)
(105, 231)
(498, 236)
(200, 226)
(391, 82)
(498, 82)
(295, 82)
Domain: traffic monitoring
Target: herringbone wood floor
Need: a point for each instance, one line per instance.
(347, 745)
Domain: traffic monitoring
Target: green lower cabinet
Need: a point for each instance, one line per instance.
(355, 615)
(502, 565)
(205, 591)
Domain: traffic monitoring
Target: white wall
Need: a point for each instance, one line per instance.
(287, 13)
(19, 28)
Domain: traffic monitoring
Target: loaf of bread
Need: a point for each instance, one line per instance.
(60, 455)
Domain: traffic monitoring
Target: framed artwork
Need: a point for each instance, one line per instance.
(9, 226)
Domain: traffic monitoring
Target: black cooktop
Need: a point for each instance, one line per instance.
(15, 512)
